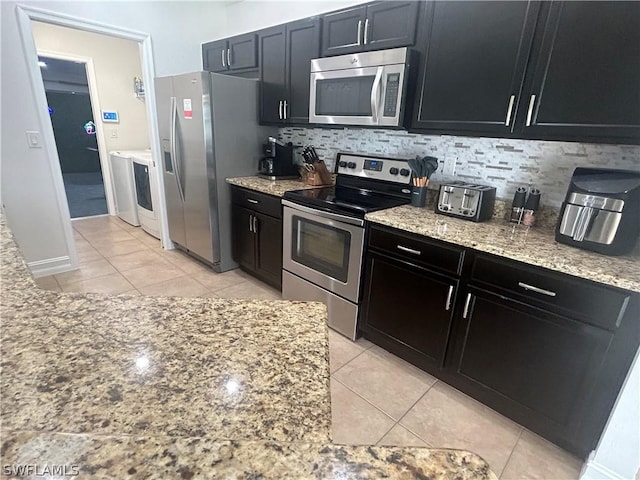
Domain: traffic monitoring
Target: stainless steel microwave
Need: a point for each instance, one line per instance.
(366, 89)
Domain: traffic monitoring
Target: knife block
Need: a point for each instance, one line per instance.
(319, 177)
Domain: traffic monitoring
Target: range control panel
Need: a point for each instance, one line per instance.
(378, 168)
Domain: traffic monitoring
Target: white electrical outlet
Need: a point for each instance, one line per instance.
(114, 133)
(449, 167)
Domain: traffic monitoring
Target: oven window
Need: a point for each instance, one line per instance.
(321, 247)
(349, 96)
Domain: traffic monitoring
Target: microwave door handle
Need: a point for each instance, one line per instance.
(375, 95)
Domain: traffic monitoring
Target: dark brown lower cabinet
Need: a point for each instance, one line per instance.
(257, 236)
(548, 350)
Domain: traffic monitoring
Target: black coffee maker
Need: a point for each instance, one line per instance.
(278, 160)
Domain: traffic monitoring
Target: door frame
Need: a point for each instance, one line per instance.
(24, 16)
(107, 178)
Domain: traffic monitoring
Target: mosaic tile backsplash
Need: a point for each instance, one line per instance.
(502, 163)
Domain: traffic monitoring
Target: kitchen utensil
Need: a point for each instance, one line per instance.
(422, 169)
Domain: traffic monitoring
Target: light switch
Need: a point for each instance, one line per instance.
(33, 139)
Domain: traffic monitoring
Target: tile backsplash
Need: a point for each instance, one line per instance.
(502, 163)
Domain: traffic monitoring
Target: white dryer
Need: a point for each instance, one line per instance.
(123, 187)
(145, 179)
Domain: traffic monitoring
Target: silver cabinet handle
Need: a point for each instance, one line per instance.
(229, 57)
(532, 102)
(222, 52)
(409, 250)
(284, 109)
(537, 289)
(251, 200)
(448, 304)
(251, 223)
(512, 99)
(359, 30)
(466, 306)
(366, 28)
(280, 110)
(255, 226)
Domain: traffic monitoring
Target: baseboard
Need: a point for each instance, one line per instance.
(596, 471)
(51, 266)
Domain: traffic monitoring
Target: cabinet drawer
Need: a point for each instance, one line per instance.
(418, 250)
(580, 299)
(258, 202)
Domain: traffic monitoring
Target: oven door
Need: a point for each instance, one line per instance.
(324, 248)
(357, 96)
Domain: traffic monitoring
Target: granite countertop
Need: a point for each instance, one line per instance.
(270, 187)
(535, 246)
(151, 387)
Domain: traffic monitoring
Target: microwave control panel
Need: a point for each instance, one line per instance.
(391, 95)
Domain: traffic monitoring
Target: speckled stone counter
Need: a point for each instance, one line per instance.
(535, 246)
(270, 187)
(152, 387)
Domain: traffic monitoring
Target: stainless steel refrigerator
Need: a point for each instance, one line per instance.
(209, 131)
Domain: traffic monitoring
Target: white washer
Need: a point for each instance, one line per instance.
(144, 173)
(123, 187)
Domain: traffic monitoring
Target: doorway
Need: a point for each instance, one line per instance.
(71, 114)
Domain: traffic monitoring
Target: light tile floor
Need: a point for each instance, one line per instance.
(376, 398)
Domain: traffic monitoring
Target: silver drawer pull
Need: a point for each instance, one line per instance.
(537, 289)
(466, 306)
(251, 200)
(448, 304)
(251, 223)
(409, 250)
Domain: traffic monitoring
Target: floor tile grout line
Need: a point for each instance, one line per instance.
(411, 407)
(511, 453)
(344, 365)
(374, 406)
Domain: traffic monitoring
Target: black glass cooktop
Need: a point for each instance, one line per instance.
(347, 200)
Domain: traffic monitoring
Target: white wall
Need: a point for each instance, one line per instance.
(28, 185)
(250, 15)
(116, 62)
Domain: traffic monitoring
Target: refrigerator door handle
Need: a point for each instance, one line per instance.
(174, 150)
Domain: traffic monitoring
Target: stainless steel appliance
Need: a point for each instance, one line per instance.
(323, 233)
(360, 89)
(278, 162)
(601, 211)
(209, 131)
(466, 200)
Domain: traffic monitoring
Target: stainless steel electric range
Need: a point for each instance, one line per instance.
(324, 234)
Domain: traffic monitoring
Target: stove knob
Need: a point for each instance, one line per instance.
(351, 165)
(343, 164)
(405, 172)
(393, 171)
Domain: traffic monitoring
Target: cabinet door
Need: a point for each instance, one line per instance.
(243, 247)
(543, 365)
(586, 81)
(214, 56)
(342, 32)
(242, 52)
(269, 249)
(390, 25)
(303, 45)
(475, 54)
(409, 305)
(272, 74)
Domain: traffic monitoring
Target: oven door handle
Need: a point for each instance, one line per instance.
(321, 213)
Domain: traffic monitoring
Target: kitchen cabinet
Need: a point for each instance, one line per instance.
(409, 293)
(585, 79)
(375, 26)
(474, 60)
(257, 234)
(548, 350)
(235, 53)
(285, 54)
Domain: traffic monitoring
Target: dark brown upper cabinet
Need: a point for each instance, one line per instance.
(235, 53)
(585, 79)
(474, 57)
(374, 26)
(285, 55)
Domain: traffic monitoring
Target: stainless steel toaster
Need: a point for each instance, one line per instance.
(466, 200)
